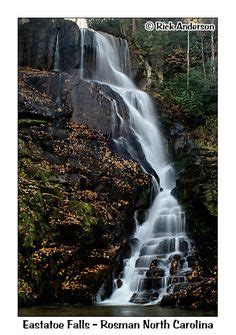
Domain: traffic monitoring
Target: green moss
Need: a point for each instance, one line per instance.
(34, 216)
(84, 213)
(42, 204)
(39, 199)
(23, 150)
(81, 209)
(210, 200)
(31, 122)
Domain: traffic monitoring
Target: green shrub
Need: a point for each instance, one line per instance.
(198, 101)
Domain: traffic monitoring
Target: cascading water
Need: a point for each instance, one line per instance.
(158, 259)
(56, 67)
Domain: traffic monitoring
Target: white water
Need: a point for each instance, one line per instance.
(163, 233)
(57, 56)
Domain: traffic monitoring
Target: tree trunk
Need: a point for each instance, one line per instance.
(203, 58)
(134, 25)
(188, 62)
(123, 27)
(212, 51)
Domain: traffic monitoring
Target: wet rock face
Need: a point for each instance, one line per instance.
(37, 43)
(92, 105)
(49, 95)
(69, 48)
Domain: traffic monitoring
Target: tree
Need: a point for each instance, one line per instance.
(203, 56)
(134, 28)
(188, 60)
(212, 51)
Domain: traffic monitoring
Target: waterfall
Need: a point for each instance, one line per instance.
(158, 260)
(56, 67)
(82, 38)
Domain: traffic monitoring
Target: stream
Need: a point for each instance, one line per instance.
(124, 311)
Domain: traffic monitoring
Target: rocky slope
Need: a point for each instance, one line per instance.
(76, 198)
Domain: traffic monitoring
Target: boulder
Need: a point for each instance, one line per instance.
(144, 297)
(202, 294)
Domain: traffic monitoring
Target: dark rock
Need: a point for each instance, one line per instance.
(144, 297)
(149, 273)
(155, 273)
(175, 264)
(38, 98)
(69, 47)
(133, 297)
(137, 153)
(196, 189)
(140, 215)
(134, 242)
(183, 246)
(37, 43)
(175, 279)
(154, 264)
(119, 283)
(96, 111)
(149, 283)
(202, 294)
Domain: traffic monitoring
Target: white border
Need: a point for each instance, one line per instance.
(10, 10)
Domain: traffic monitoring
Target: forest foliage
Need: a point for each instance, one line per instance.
(190, 87)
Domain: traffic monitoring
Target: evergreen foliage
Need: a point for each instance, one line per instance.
(106, 25)
(166, 52)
